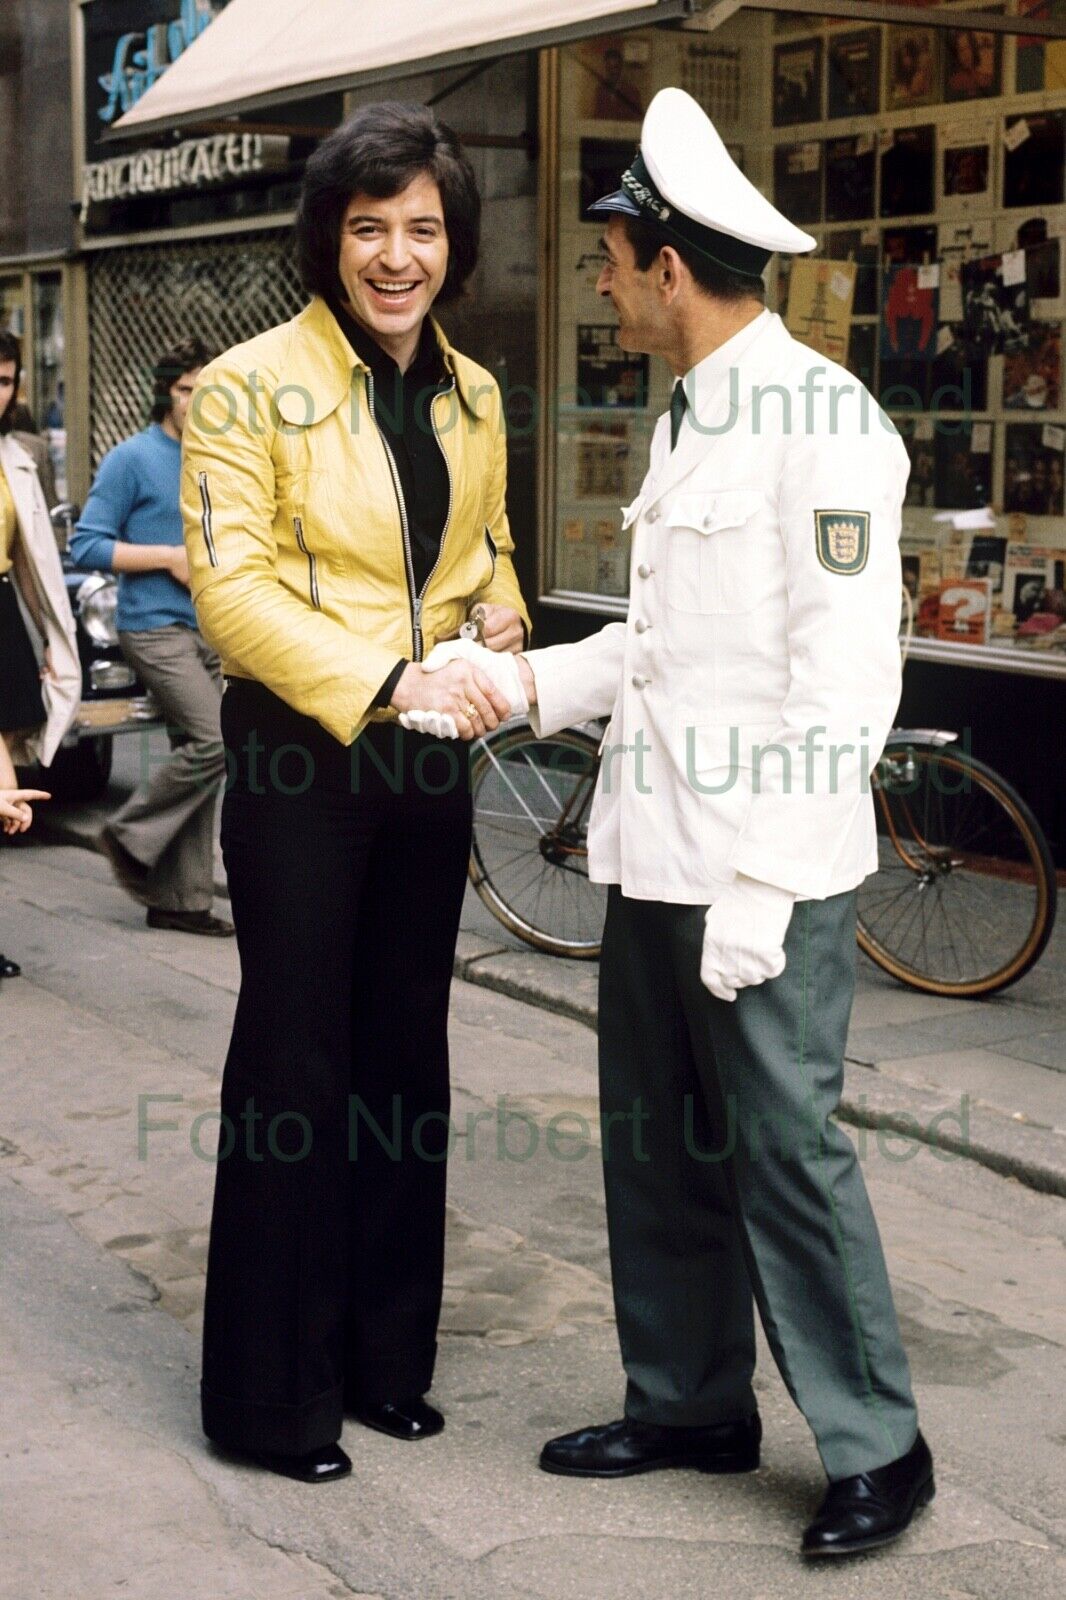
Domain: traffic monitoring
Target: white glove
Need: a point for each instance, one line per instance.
(499, 665)
(744, 935)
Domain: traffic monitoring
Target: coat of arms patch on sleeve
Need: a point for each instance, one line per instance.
(842, 539)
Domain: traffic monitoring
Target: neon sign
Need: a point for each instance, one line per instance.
(141, 59)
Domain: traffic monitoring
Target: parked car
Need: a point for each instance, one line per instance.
(114, 701)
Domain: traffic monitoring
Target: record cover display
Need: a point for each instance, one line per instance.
(797, 82)
(1040, 64)
(908, 315)
(995, 313)
(963, 474)
(798, 172)
(1032, 378)
(907, 171)
(607, 375)
(1033, 472)
(1034, 146)
(914, 56)
(960, 373)
(615, 80)
(847, 245)
(849, 178)
(853, 74)
(973, 64)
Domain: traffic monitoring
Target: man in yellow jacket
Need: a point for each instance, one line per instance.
(344, 504)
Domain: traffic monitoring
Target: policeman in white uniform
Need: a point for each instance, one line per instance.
(750, 691)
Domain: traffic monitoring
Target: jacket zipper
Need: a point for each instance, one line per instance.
(205, 520)
(490, 541)
(414, 599)
(312, 561)
(451, 493)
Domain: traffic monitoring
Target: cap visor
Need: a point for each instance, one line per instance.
(614, 203)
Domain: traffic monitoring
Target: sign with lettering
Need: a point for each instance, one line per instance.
(129, 44)
(189, 165)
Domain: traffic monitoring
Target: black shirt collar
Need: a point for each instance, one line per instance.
(428, 364)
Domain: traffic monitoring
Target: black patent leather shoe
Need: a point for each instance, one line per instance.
(872, 1508)
(619, 1449)
(9, 969)
(401, 1419)
(318, 1466)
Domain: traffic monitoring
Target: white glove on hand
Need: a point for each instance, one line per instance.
(744, 935)
(499, 665)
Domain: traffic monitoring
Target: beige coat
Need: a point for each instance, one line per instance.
(62, 692)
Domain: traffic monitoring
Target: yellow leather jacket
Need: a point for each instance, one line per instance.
(295, 527)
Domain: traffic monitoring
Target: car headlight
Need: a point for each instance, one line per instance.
(97, 603)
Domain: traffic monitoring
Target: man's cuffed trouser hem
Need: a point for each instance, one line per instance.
(252, 1425)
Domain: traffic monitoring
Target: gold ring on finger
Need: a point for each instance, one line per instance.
(470, 710)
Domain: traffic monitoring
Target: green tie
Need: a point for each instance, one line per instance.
(678, 407)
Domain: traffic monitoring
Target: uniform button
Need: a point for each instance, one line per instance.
(641, 626)
(652, 516)
(639, 680)
(644, 571)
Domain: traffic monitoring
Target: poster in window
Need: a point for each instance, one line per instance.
(711, 75)
(607, 375)
(908, 315)
(602, 460)
(964, 614)
(960, 242)
(960, 373)
(966, 168)
(987, 554)
(1033, 149)
(921, 484)
(1032, 378)
(963, 474)
(797, 82)
(995, 312)
(913, 67)
(847, 245)
(915, 246)
(854, 74)
(798, 181)
(614, 78)
(603, 162)
(907, 171)
(1040, 237)
(819, 305)
(849, 178)
(1033, 469)
(972, 64)
(862, 353)
(1040, 64)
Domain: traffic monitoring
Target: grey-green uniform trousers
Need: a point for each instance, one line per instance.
(733, 1182)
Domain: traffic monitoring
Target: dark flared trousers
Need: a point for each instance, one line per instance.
(346, 871)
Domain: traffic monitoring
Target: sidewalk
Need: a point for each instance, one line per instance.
(108, 1489)
(985, 1078)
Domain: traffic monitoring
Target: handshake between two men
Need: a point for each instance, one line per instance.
(464, 689)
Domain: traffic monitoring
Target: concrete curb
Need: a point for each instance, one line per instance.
(1033, 1155)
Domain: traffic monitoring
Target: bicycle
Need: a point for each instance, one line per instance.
(963, 905)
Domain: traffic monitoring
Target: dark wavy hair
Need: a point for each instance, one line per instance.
(10, 350)
(184, 357)
(379, 151)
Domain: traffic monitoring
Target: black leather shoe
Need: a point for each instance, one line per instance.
(872, 1508)
(401, 1419)
(9, 969)
(318, 1466)
(618, 1449)
(201, 922)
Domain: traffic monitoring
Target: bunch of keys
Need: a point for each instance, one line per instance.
(474, 628)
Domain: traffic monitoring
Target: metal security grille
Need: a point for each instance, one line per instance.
(141, 300)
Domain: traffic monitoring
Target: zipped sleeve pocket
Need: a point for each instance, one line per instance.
(312, 562)
(491, 544)
(206, 519)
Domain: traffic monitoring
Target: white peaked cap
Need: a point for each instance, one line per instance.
(684, 153)
(695, 181)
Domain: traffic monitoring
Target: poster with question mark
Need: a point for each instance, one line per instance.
(965, 610)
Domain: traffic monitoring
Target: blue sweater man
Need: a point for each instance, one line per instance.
(160, 844)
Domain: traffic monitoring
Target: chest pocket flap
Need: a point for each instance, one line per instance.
(709, 511)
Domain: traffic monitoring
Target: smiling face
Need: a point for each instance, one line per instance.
(632, 292)
(393, 262)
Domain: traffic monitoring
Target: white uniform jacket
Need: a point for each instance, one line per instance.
(62, 691)
(754, 682)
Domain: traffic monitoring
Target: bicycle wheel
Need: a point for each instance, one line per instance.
(529, 858)
(964, 901)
